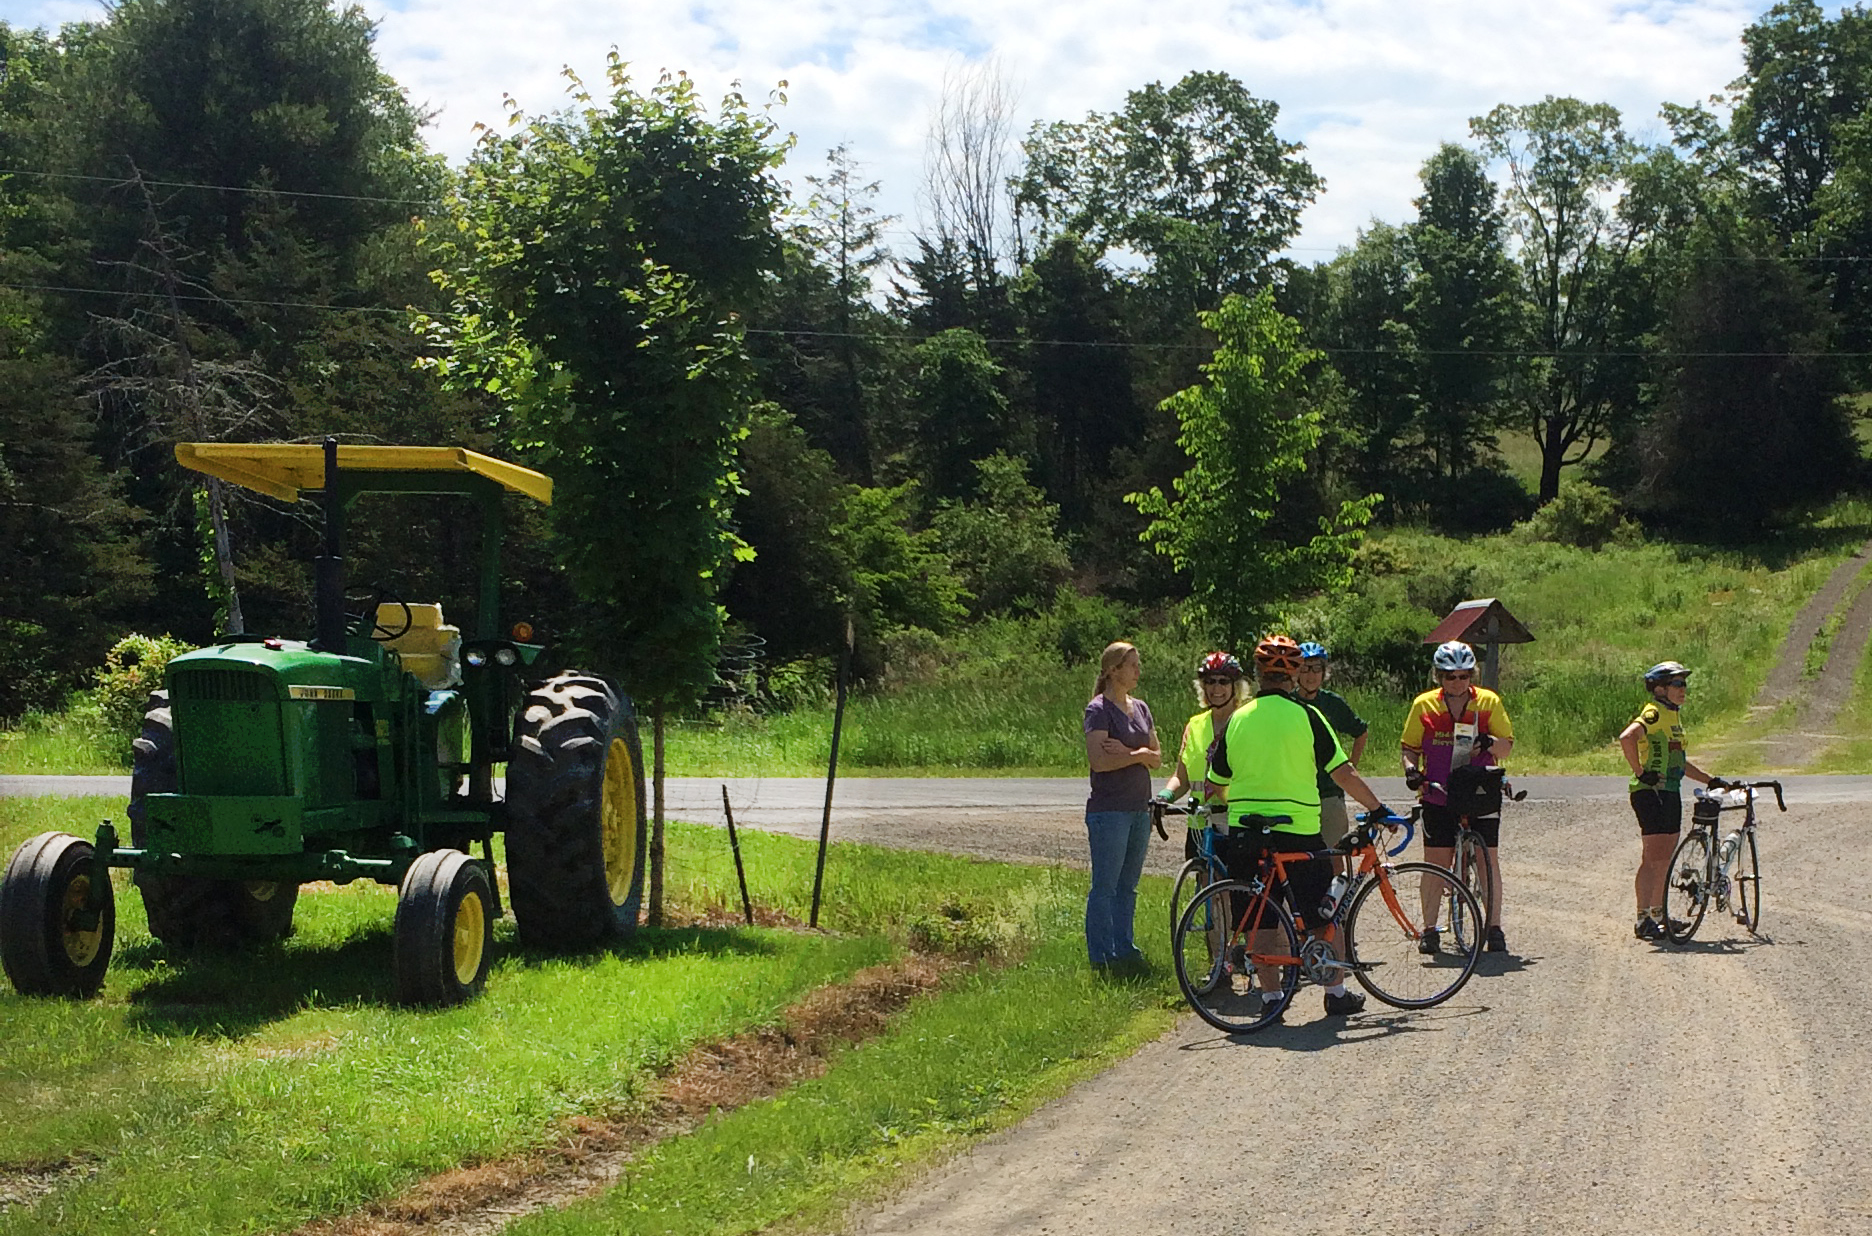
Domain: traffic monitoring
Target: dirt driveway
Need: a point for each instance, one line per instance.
(1586, 1082)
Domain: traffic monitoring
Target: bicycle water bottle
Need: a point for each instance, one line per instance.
(1334, 892)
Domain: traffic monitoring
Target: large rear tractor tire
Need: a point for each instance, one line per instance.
(444, 929)
(576, 836)
(188, 912)
(51, 943)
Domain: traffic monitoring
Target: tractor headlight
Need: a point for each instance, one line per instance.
(475, 657)
(506, 656)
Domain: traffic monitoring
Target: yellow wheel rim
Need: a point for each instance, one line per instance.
(470, 938)
(620, 821)
(81, 947)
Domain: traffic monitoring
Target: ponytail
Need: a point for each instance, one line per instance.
(1113, 656)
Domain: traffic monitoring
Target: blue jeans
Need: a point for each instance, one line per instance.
(1119, 840)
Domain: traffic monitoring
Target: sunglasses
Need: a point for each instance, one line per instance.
(1218, 682)
(1676, 682)
(1457, 676)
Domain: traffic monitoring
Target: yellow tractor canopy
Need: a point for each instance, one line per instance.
(281, 470)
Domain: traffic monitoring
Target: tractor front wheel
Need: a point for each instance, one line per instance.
(444, 929)
(192, 911)
(52, 942)
(575, 814)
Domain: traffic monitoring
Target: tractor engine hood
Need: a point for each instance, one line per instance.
(276, 669)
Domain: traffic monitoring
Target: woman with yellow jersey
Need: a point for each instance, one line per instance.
(1654, 748)
(1220, 687)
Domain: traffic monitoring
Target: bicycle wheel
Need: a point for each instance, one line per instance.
(1226, 988)
(1386, 924)
(1473, 874)
(1211, 921)
(1745, 884)
(1687, 887)
(1194, 875)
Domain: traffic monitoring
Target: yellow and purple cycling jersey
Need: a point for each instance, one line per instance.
(1443, 737)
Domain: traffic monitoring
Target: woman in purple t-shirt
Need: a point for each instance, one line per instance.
(1122, 748)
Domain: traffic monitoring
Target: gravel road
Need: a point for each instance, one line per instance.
(1584, 1082)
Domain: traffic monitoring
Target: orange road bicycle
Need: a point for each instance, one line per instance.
(1727, 872)
(1226, 973)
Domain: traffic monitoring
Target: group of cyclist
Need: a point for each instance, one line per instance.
(1274, 751)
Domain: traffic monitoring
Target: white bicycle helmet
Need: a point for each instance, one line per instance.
(1452, 656)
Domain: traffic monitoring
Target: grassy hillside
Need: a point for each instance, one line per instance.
(1001, 702)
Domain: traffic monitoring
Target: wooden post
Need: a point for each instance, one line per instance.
(1491, 666)
(734, 843)
(838, 724)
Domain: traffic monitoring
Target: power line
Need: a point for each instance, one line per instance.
(874, 337)
(909, 233)
(190, 184)
(212, 300)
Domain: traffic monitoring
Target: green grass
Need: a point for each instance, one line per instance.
(941, 1076)
(61, 743)
(256, 1093)
(1598, 617)
(999, 699)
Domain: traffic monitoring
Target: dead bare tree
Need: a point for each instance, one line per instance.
(159, 368)
(969, 157)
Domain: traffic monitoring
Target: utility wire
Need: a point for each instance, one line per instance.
(910, 233)
(1116, 345)
(190, 184)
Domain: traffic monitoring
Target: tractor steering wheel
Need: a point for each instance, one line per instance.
(365, 622)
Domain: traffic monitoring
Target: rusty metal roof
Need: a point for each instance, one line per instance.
(1483, 621)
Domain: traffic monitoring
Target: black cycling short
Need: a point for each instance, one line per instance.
(1659, 812)
(1307, 879)
(1439, 828)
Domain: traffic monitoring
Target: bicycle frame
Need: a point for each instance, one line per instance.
(1719, 858)
(1361, 843)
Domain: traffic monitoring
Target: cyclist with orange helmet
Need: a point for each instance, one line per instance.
(1220, 688)
(1453, 724)
(1269, 757)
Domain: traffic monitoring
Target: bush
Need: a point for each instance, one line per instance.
(1584, 516)
(1377, 641)
(1003, 541)
(804, 683)
(132, 669)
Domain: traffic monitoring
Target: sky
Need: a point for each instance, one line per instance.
(1369, 86)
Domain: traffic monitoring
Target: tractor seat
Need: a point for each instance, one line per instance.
(430, 649)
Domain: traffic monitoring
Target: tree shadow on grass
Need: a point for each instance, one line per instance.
(235, 994)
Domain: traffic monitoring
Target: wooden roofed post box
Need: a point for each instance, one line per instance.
(1484, 625)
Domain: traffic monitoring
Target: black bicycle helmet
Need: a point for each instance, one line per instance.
(1663, 672)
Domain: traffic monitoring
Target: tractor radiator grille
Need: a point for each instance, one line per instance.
(220, 685)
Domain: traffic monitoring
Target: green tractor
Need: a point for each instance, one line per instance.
(366, 752)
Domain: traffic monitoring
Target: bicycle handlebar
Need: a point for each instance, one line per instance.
(1508, 793)
(1407, 823)
(1780, 801)
(1159, 808)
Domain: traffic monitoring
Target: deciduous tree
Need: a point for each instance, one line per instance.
(1247, 432)
(597, 259)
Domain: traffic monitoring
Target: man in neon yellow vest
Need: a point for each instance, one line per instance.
(1270, 758)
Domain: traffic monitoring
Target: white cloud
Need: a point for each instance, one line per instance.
(1371, 86)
